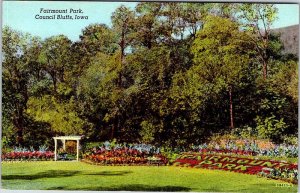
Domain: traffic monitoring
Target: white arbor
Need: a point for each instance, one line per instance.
(64, 139)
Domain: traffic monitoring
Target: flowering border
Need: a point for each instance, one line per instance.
(28, 156)
(124, 156)
(230, 163)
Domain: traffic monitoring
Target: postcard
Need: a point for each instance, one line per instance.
(149, 96)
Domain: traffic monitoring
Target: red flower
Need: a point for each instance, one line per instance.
(242, 165)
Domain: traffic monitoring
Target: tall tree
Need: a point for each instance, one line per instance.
(122, 21)
(220, 54)
(20, 53)
(193, 16)
(55, 57)
(100, 94)
(93, 39)
(258, 20)
(147, 25)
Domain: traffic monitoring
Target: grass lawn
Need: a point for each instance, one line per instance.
(50, 175)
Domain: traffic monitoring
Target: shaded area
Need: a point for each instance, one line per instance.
(60, 174)
(57, 188)
(79, 176)
(46, 174)
(109, 173)
(130, 187)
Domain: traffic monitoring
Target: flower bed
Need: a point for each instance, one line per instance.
(248, 147)
(28, 156)
(124, 156)
(228, 151)
(233, 163)
(25, 154)
(289, 175)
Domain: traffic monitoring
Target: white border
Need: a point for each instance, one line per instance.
(212, 1)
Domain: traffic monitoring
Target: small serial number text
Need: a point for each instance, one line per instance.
(284, 185)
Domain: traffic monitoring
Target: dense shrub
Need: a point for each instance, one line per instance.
(71, 147)
(270, 127)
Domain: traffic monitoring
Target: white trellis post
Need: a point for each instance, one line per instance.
(77, 149)
(55, 149)
(64, 144)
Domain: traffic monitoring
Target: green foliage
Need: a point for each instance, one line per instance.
(20, 53)
(170, 154)
(285, 78)
(147, 132)
(270, 127)
(291, 140)
(221, 53)
(98, 38)
(122, 22)
(246, 132)
(258, 14)
(55, 58)
(218, 51)
(62, 117)
(257, 20)
(5, 145)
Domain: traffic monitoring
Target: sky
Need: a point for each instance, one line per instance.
(20, 15)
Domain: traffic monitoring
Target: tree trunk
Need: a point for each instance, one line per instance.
(231, 107)
(18, 123)
(20, 137)
(53, 76)
(112, 132)
(265, 69)
(122, 46)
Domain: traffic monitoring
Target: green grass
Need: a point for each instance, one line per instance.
(49, 175)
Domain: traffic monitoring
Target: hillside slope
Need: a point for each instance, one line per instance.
(290, 38)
